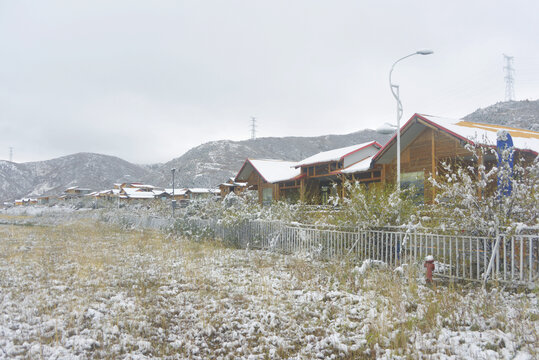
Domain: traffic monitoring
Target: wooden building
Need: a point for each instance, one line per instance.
(273, 179)
(202, 193)
(25, 202)
(321, 171)
(232, 186)
(427, 141)
(108, 195)
(44, 200)
(137, 193)
(180, 194)
(75, 191)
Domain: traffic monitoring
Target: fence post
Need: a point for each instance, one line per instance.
(494, 251)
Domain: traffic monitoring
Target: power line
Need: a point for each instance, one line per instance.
(10, 154)
(253, 128)
(509, 80)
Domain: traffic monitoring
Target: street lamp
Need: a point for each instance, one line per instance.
(395, 92)
(173, 170)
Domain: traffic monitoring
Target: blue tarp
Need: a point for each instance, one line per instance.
(504, 145)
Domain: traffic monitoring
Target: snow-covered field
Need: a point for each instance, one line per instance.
(88, 290)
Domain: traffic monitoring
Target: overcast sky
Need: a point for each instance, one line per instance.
(148, 80)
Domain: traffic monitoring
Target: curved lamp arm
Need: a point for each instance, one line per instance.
(393, 87)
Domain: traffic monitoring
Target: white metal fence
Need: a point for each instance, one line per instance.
(457, 256)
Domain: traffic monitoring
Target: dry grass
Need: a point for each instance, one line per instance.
(98, 291)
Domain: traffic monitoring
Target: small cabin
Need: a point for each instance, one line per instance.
(75, 191)
(201, 193)
(180, 194)
(232, 186)
(26, 202)
(273, 179)
(43, 200)
(136, 193)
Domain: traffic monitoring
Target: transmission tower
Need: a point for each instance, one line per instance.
(253, 128)
(10, 154)
(509, 80)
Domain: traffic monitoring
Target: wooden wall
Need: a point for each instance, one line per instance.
(424, 154)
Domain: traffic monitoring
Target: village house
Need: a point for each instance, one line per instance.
(428, 141)
(180, 195)
(201, 193)
(75, 192)
(273, 179)
(108, 195)
(232, 186)
(138, 191)
(324, 174)
(25, 202)
(44, 200)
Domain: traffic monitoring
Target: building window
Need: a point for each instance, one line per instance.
(325, 194)
(415, 180)
(267, 196)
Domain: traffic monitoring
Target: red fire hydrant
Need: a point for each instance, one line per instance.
(429, 264)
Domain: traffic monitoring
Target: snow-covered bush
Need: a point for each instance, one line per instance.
(232, 210)
(469, 197)
(375, 206)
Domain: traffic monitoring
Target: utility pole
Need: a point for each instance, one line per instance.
(10, 154)
(173, 170)
(509, 80)
(253, 128)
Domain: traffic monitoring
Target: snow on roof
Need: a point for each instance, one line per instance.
(362, 165)
(234, 184)
(143, 186)
(485, 134)
(141, 195)
(203, 190)
(130, 191)
(25, 200)
(334, 155)
(274, 170)
(177, 191)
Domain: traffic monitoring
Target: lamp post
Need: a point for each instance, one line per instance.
(173, 170)
(395, 91)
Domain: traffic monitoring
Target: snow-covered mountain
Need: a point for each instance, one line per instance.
(520, 114)
(209, 164)
(87, 170)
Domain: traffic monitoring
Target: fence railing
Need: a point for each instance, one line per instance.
(467, 257)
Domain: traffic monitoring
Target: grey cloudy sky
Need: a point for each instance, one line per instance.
(148, 80)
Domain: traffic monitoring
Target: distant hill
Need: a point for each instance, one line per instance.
(87, 170)
(209, 164)
(520, 114)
